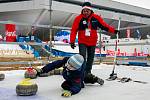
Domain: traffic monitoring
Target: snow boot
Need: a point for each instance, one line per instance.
(100, 81)
(90, 78)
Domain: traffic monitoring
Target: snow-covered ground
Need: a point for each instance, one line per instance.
(49, 87)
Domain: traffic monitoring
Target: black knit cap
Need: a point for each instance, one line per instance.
(86, 4)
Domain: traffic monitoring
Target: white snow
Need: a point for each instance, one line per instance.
(49, 87)
(10, 47)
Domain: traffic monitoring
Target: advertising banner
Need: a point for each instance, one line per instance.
(10, 30)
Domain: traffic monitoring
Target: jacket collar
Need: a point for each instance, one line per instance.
(88, 17)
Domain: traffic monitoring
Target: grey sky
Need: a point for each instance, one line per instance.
(139, 3)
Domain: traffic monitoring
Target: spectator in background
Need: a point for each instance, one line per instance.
(1, 38)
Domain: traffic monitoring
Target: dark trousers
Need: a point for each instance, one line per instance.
(66, 85)
(88, 52)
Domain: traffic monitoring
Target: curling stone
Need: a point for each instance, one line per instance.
(26, 88)
(2, 76)
(30, 73)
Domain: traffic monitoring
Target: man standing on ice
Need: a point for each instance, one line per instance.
(86, 25)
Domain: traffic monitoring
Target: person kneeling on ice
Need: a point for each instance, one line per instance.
(73, 73)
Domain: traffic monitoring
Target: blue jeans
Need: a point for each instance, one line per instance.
(88, 52)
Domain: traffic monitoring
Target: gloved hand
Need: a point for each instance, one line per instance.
(117, 32)
(66, 93)
(72, 45)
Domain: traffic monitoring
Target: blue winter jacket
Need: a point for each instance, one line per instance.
(73, 77)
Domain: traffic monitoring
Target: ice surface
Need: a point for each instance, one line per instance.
(49, 87)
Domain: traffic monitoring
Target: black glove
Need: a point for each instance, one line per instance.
(72, 45)
(117, 32)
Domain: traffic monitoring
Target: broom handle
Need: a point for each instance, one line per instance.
(115, 55)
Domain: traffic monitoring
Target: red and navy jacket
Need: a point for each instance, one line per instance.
(94, 22)
(72, 77)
